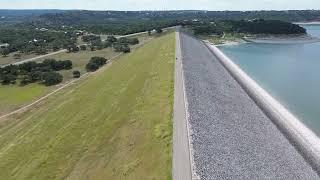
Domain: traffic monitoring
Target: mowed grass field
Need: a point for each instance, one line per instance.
(116, 124)
(14, 96)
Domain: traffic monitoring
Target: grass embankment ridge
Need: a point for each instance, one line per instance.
(117, 124)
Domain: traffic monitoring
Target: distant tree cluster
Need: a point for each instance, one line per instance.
(122, 44)
(261, 26)
(90, 38)
(256, 26)
(206, 29)
(95, 63)
(112, 22)
(130, 41)
(121, 47)
(31, 72)
(26, 40)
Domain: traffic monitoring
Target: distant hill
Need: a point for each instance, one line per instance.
(125, 22)
(9, 16)
(92, 17)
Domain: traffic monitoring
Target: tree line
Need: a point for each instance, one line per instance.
(119, 45)
(29, 40)
(256, 26)
(30, 72)
(45, 72)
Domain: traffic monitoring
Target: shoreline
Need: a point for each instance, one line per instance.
(271, 39)
(308, 23)
(301, 137)
(283, 39)
(231, 43)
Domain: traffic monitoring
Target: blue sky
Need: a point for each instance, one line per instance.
(161, 4)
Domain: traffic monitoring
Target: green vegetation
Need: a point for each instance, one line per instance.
(31, 72)
(12, 59)
(120, 22)
(95, 63)
(117, 124)
(257, 26)
(80, 59)
(76, 74)
(11, 97)
(27, 40)
(220, 32)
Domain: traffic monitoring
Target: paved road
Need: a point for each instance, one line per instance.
(232, 138)
(181, 154)
(37, 57)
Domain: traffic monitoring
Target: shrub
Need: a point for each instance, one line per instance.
(119, 47)
(25, 80)
(100, 61)
(76, 74)
(111, 39)
(126, 49)
(159, 30)
(91, 67)
(83, 47)
(67, 64)
(9, 79)
(51, 78)
(95, 63)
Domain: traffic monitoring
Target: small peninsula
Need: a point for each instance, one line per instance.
(229, 32)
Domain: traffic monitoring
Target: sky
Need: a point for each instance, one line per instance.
(161, 4)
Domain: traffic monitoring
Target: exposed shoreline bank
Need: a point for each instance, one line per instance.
(308, 23)
(270, 39)
(283, 39)
(301, 137)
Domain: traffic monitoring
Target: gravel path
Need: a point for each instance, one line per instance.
(232, 138)
(181, 167)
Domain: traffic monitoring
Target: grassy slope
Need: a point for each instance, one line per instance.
(115, 125)
(11, 97)
(14, 96)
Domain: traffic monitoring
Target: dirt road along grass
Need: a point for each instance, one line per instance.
(15, 96)
(117, 124)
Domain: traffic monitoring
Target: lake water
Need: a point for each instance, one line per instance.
(291, 73)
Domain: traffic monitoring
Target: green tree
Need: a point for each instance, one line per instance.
(9, 79)
(111, 39)
(51, 78)
(159, 30)
(91, 67)
(76, 74)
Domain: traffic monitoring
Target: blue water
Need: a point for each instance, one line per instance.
(291, 73)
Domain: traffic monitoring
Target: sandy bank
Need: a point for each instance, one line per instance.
(308, 23)
(301, 137)
(283, 39)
